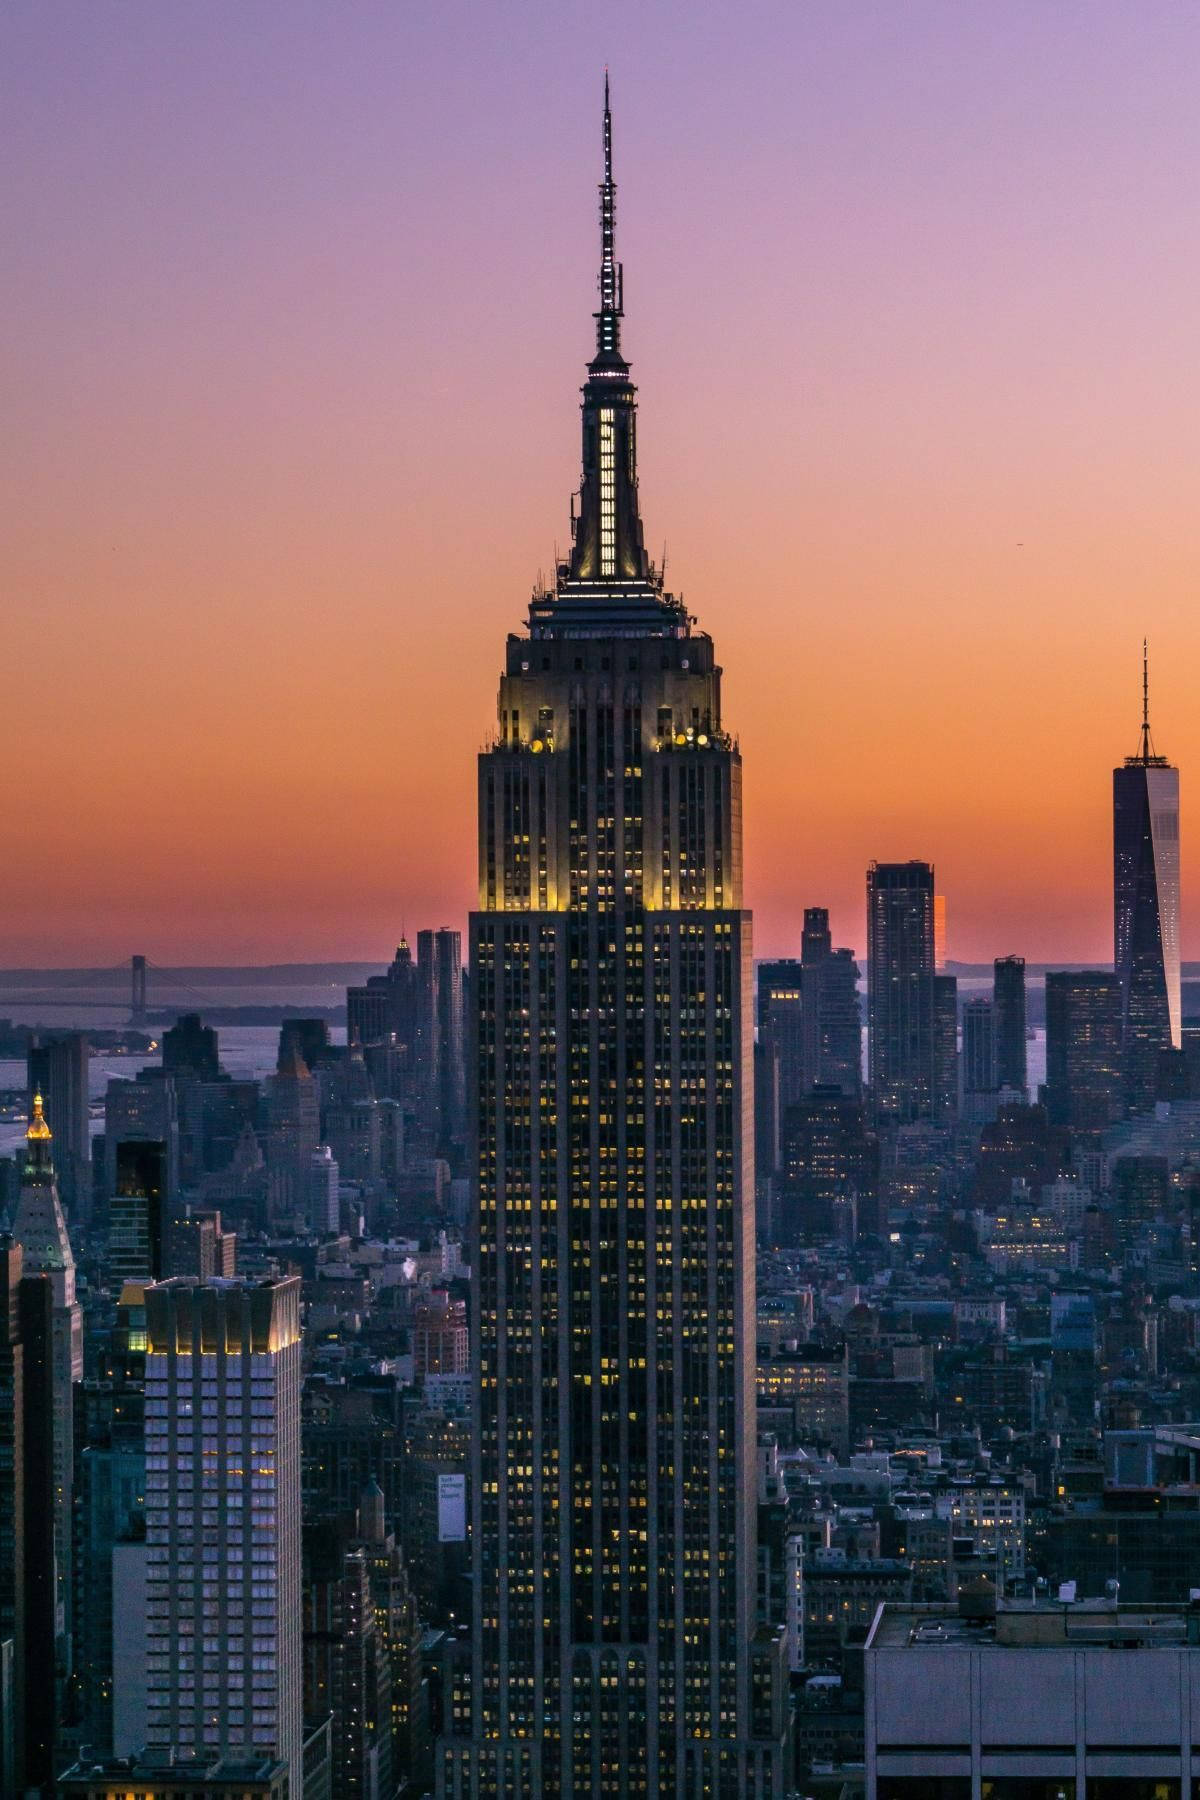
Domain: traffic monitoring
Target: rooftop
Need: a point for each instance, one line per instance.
(1036, 1624)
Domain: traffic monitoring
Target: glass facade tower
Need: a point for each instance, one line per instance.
(614, 1649)
(1146, 914)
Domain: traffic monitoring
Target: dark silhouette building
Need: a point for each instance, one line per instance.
(614, 1643)
(781, 1022)
(190, 1048)
(978, 1049)
(900, 991)
(808, 1011)
(441, 1042)
(58, 1070)
(1008, 998)
(945, 1049)
(829, 1156)
(138, 1211)
(1083, 1049)
(1146, 914)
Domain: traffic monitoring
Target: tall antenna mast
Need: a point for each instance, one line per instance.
(1145, 700)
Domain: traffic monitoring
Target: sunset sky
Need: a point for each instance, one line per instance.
(296, 302)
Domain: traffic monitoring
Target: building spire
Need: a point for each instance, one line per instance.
(39, 1131)
(612, 282)
(1145, 700)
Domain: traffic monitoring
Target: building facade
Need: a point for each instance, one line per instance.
(1083, 1049)
(40, 1229)
(1146, 915)
(902, 1038)
(614, 1649)
(1008, 998)
(223, 1551)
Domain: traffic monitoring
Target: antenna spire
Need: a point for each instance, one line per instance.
(1145, 700)
(608, 326)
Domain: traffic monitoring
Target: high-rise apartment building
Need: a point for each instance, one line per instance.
(1146, 913)
(614, 1648)
(980, 1089)
(900, 991)
(223, 1662)
(41, 1231)
(1083, 1049)
(945, 1049)
(1008, 999)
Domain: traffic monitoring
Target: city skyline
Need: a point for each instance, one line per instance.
(250, 479)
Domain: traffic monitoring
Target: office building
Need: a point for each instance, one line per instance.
(900, 991)
(190, 1048)
(1008, 1000)
(832, 1015)
(829, 1155)
(614, 1647)
(293, 1131)
(1146, 913)
(780, 1014)
(980, 1088)
(170, 1776)
(441, 1043)
(809, 1015)
(1027, 1698)
(199, 1244)
(46, 1579)
(143, 1111)
(29, 1602)
(41, 1231)
(1083, 1050)
(110, 1507)
(347, 1671)
(324, 1205)
(945, 1049)
(137, 1212)
(223, 1666)
(58, 1070)
(12, 1515)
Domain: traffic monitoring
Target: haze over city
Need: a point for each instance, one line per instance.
(297, 302)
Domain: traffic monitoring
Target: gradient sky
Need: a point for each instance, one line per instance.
(296, 301)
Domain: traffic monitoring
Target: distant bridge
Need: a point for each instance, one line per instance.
(130, 978)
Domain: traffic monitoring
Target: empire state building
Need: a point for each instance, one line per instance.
(614, 1644)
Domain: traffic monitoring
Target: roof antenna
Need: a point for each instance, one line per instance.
(1145, 701)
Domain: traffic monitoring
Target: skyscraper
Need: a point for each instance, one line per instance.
(41, 1231)
(614, 1649)
(58, 1071)
(900, 991)
(1083, 1049)
(1008, 996)
(137, 1212)
(442, 1070)
(223, 1652)
(1146, 912)
(832, 1016)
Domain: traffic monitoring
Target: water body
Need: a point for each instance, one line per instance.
(248, 1052)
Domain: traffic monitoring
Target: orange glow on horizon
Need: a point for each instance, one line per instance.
(294, 421)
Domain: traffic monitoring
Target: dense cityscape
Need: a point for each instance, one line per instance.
(596, 1362)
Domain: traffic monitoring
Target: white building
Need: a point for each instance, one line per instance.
(1028, 1698)
(223, 1648)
